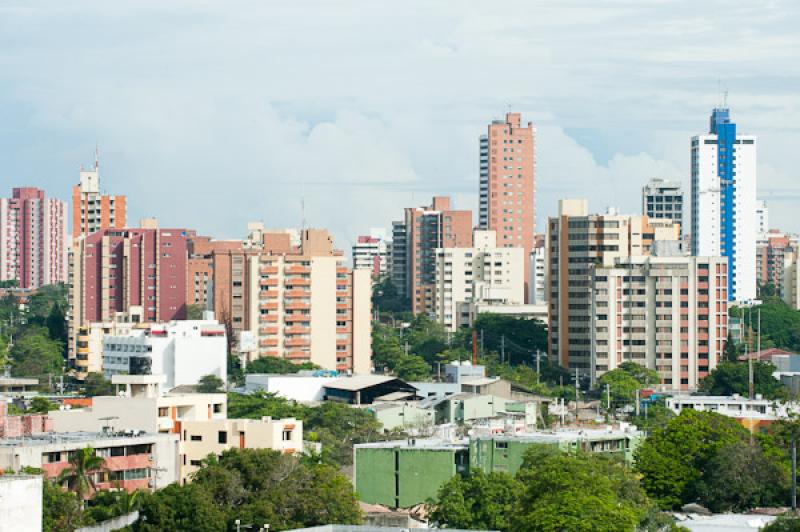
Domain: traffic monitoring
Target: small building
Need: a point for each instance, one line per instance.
(20, 503)
(401, 474)
(402, 415)
(12, 385)
(133, 460)
(365, 389)
(202, 438)
(466, 407)
(751, 413)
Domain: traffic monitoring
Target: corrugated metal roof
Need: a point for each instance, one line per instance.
(359, 382)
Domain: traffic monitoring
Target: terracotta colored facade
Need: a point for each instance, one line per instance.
(508, 183)
(93, 211)
(771, 251)
(200, 268)
(32, 238)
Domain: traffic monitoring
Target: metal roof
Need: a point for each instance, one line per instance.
(359, 382)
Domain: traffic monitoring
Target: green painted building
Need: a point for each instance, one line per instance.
(402, 474)
(406, 473)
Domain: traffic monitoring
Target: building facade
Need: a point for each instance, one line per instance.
(93, 211)
(668, 314)
(372, 252)
(424, 230)
(33, 238)
(113, 270)
(508, 183)
(181, 351)
(537, 295)
(772, 249)
(577, 243)
(724, 221)
(296, 301)
(483, 272)
(762, 217)
(663, 199)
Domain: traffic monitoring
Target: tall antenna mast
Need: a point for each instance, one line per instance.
(96, 156)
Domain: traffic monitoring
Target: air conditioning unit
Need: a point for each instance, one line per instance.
(152, 458)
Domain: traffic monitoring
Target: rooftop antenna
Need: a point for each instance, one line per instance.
(96, 156)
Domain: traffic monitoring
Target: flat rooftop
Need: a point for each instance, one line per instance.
(68, 438)
(427, 443)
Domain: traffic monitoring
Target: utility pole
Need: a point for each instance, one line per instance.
(577, 393)
(482, 350)
(537, 367)
(502, 348)
(608, 398)
(794, 473)
(406, 347)
(637, 402)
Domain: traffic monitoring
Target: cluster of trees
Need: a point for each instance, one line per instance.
(256, 487)
(551, 491)
(780, 323)
(336, 426)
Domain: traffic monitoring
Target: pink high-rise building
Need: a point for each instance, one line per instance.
(32, 238)
(507, 184)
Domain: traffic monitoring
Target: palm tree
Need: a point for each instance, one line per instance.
(80, 474)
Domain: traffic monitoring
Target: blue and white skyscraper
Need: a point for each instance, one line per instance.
(724, 201)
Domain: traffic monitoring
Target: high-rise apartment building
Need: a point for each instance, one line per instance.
(200, 268)
(296, 301)
(723, 217)
(667, 313)
(422, 232)
(33, 233)
(475, 274)
(93, 211)
(771, 250)
(790, 290)
(113, 270)
(508, 183)
(372, 252)
(663, 199)
(577, 244)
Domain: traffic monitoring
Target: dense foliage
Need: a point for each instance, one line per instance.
(210, 384)
(730, 378)
(552, 491)
(277, 365)
(780, 323)
(257, 487)
(707, 457)
(624, 381)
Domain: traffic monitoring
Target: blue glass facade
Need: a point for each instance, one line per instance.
(725, 130)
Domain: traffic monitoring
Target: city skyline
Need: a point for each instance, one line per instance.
(368, 129)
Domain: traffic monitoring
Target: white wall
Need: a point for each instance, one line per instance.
(300, 388)
(20, 503)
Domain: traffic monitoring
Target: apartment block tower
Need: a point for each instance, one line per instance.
(772, 249)
(296, 301)
(578, 243)
(116, 269)
(372, 252)
(33, 238)
(93, 211)
(416, 239)
(663, 199)
(724, 221)
(508, 183)
(667, 313)
(483, 272)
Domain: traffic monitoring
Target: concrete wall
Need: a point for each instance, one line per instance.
(299, 388)
(20, 503)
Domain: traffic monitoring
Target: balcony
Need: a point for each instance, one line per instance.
(296, 342)
(268, 342)
(297, 330)
(272, 305)
(296, 294)
(269, 294)
(291, 318)
(297, 281)
(296, 269)
(268, 330)
(269, 282)
(268, 270)
(297, 355)
(270, 318)
(296, 305)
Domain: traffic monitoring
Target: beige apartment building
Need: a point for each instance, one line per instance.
(481, 273)
(790, 291)
(87, 356)
(667, 313)
(296, 300)
(577, 242)
(202, 438)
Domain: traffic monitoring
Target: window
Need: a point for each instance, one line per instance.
(287, 435)
(196, 437)
(501, 445)
(195, 463)
(222, 437)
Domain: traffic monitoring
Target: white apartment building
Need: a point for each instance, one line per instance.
(480, 273)
(181, 351)
(665, 313)
(372, 252)
(537, 295)
(762, 217)
(724, 220)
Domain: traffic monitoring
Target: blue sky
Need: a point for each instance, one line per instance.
(210, 114)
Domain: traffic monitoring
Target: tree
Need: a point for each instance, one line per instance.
(96, 384)
(674, 459)
(277, 365)
(36, 355)
(386, 298)
(740, 476)
(41, 405)
(477, 501)
(176, 508)
(194, 312)
(412, 368)
(108, 504)
(653, 416)
(580, 492)
(61, 510)
(729, 378)
(625, 380)
(519, 337)
(209, 384)
(784, 523)
(79, 475)
(730, 353)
